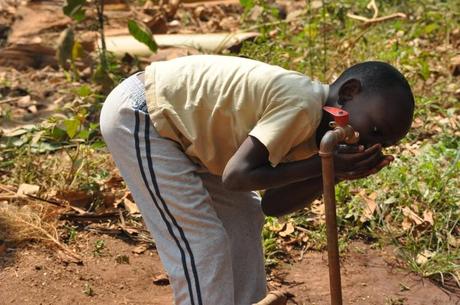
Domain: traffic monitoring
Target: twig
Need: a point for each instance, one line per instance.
(60, 204)
(88, 216)
(373, 6)
(10, 100)
(100, 18)
(8, 197)
(368, 21)
(7, 189)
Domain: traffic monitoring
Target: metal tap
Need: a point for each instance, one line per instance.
(341, 133)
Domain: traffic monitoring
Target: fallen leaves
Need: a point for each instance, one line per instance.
(370, 205)
(140, 249)
(27, 189)
(413, 220)
(288, 230)
(131, 207)
(160, 279)
(423, 257)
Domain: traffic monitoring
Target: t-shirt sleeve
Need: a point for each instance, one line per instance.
(282, 127)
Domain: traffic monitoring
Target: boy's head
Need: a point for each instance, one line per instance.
(378, 99)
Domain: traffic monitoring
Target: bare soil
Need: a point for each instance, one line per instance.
(34, 275)
(114, 274)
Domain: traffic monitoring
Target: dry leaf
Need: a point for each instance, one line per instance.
(423, 257)
(453, 241)
(140, 249)
(276, 227)
(288, 229)
(130, 206)
(27, 189)
(109, 199)
(428, 217)
(24, 101)
(161, 279)
(412, 216)
(370, 207)
(406, 224)
(79, 199)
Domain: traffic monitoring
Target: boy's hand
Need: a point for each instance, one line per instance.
(354, 162)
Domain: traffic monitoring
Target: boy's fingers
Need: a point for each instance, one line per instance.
(371, 161)
(349, 149)
(360, 156)
(353, 175)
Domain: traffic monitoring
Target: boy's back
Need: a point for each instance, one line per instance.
(209, 104)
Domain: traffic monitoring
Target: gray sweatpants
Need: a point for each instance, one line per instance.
(208, 238)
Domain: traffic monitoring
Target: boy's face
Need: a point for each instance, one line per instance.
(378, 120)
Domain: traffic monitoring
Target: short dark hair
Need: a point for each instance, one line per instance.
(378, 77)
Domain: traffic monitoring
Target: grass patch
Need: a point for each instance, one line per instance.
(415, 203)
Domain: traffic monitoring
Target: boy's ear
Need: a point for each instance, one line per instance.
(348, 90)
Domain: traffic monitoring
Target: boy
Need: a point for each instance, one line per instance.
(196, 136)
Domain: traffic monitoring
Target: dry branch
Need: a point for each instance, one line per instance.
(367, 21)
(19, 224)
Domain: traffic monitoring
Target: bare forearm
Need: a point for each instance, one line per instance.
(266, 176)
(289, 198)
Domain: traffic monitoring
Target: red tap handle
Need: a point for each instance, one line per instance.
(340, 116)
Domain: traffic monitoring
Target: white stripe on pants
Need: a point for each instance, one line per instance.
(208, 238)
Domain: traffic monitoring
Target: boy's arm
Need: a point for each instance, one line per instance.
(292, 197)
(249, 168)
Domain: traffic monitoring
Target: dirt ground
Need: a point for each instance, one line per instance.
(114, 274)
(34, 275)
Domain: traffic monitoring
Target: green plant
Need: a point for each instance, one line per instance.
(413, 204)
(88, 290)
(143, 34)
(99, 246)
(71, 234)
(122, 259)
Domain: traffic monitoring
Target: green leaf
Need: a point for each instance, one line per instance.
(84, 134)
(424, 70)
(77, 51)
(74, 9)
(58, 134)
(247, 4)
(71, 127)
(430, 28)
(98, 144)
(142, 34)
(84, 91)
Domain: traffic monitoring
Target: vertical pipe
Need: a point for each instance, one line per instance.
(331, 226)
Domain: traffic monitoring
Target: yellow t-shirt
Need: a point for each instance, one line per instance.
(209, 104)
